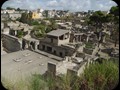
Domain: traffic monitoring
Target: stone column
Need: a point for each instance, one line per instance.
(58, 40)
(26, 46)
(35, 45)
(80, 38)
(28, 43)
(77, 38)
(45, 48)
(15, 32)
(63, 36)
(87, 38)
(104, 38)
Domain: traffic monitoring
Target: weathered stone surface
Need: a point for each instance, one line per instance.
(11, 43)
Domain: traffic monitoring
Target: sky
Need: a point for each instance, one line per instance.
(71, 5)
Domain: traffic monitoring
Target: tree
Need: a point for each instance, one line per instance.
(97, 19)
(26, 18)
(48, 29)
(18, 9)
(10, 8)
(115, 34)
(23, 18)
(53, 24)
(39, 31)
(45, 13)
(114, 12)
(109, 18)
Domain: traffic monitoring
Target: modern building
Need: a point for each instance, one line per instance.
(37, 14)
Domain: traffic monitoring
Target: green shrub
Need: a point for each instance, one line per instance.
(35, 23)
(19, 34)
(101, 76)
(37, 83)
(89, 45)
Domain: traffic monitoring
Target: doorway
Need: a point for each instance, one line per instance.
(49, 49)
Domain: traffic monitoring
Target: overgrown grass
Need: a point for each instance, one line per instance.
(37, 82)
(89, 45)
(18, 85)
(97, 76)
(103, 76)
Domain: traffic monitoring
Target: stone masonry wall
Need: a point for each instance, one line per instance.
(11, 43)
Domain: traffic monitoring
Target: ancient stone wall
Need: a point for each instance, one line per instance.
(11, 43)
(88, 51)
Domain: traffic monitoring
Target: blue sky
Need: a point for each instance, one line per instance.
(72, 5)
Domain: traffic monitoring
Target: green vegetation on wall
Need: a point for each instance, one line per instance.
(19, 34)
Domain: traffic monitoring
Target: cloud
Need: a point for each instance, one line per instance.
(52, 3)
(26, 4)
(72, 5)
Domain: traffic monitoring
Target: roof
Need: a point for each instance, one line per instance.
(30, 39)
(23, 63)
(79, 33)
(58, 32)
(16, 28)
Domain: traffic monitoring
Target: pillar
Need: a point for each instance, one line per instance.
(80, 38)
(63, 36)
(58, 40)
(15, 32)
(26, 46)
(35, 45)
(87, 38)
(77, 38)
(104, 38)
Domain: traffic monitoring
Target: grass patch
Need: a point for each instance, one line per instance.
(103, 76)
(37, 82)
(89, 45)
